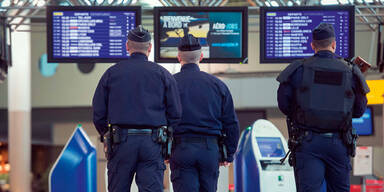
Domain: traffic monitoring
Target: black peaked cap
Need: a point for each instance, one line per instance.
(323, 31)
(189, 43)
(139, 34)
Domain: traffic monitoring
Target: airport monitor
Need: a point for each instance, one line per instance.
(364, 124)
(222, 32)
(270, 147)
(88, 34)
(286, 32)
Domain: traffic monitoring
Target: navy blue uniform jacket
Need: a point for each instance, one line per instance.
(136, 92)
(207, 107)
(285, 93)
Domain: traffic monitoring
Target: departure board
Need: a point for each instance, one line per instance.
(94, 35)
(286, 33)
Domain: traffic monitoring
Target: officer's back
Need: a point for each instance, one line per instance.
(132, 100)
(320, 95)
(208, 112)
(201, 95)
(137, 91)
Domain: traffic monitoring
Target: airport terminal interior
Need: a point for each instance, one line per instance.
(54, 52)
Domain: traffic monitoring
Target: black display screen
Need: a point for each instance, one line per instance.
(222, 32)
(286, 32)
(89, 34)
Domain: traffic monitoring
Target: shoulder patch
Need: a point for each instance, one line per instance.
(289, 70)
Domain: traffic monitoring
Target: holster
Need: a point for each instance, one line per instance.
(164, 136)
(223, 148)
(349, 138)
(295, 139)
(110, 140)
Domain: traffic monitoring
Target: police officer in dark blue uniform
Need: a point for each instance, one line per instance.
(321, 95)
(208, 112)
(136, 97)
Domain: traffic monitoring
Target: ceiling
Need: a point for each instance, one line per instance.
(369, 13)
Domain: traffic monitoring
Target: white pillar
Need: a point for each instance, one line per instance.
(19, 110)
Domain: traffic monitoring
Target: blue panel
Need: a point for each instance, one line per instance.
(238, 162)
(364, 124)
(47, 69)
(251, 174)
(75, 169)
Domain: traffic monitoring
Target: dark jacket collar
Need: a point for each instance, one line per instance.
(190, 67)
(325, 54)
(138, 55)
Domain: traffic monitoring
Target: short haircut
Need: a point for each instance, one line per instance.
(138, 46)
(324, 43)
(190, 56)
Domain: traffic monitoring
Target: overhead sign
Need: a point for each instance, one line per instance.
(377, 92)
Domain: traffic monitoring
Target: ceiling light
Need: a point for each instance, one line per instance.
(344, 2)
(298, 2)
(88, 2)
(40, 3)
(329, 2)
(99, 2)
(152, 3)
(267, 4)
(274, 4)
(289, 3)
(6, 3)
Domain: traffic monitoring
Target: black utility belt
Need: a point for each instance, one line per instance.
(122, 126)
(136, 131)
(179, 140)
(326, 134)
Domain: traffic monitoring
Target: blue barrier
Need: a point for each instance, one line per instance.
(75, 169)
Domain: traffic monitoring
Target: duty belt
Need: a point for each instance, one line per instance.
(179, 140)
(132, 131)
(329, 134)
(137, 131)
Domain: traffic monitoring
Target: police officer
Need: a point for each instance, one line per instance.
(135, 97)
(321, 95)
(208, 112)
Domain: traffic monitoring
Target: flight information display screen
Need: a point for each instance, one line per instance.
(364, 124)
(97, 34)
(286, 32)
(270, 146)
(222, 32)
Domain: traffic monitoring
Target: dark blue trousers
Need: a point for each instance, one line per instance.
(195, 166)
(322, 158)
(136, 154)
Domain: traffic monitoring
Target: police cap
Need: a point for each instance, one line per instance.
(139, 34)
(323, 31)
(189, 43)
